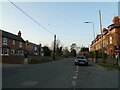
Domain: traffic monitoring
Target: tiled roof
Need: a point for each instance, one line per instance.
(112, 26)
(10, 35)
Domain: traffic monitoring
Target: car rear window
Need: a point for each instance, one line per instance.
(80, 57)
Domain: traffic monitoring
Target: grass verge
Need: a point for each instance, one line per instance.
(110, 66)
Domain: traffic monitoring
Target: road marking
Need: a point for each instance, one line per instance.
(77, 67)
(76, 71)
(73, 83)
(74, 79)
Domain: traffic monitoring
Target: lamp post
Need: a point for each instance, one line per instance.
(94, 39)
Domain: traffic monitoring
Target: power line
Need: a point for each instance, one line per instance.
(38, 22)
(30, 17)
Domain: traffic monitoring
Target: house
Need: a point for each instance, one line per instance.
(109, 39)
(11, 44)
(33, 48)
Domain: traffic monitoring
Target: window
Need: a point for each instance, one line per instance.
(20, 44)
(20, 52)
(13, 52)
(35, 48)
(13, 42)
(110, 40)
(5, 41)
(5, 51)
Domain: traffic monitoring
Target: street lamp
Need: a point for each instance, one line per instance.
(94, 39)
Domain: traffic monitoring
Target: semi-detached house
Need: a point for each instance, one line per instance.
(11, 44)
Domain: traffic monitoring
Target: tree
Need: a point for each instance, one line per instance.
(73, 46)
(46, 51)
(84, 49)
(66, 52)
(58, 47)
(73, 52)
(73, 49)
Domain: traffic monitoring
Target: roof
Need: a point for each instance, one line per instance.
(32, 44)
(11, 36)
(114, 26)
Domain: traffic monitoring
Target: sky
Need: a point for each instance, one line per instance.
(65, 19)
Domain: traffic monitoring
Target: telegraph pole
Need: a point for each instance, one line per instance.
(54, 47)
(101, 34)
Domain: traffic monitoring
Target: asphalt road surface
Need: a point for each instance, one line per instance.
(58, 74)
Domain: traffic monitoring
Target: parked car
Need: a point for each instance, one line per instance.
(81, 60)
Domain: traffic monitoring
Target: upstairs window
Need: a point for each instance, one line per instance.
(20, 44)
(13, 42)
(35, 48)
(5, 40)
(110, 40)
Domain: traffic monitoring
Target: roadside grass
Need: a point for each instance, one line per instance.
(110, 66)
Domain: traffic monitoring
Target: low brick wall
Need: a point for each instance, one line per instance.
(38, 57)
(13, 59)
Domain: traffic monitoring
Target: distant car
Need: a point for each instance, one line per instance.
(81, 60)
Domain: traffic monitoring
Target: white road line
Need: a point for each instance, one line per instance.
(73, 83)
(75, 76)
(76, 71)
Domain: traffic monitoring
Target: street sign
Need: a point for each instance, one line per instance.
(117, 47)
(117, 51)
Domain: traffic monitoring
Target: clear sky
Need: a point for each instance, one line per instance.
(65, 19)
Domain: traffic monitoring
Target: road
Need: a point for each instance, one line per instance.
(58, 74)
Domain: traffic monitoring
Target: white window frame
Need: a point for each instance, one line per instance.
(35, 48)
(13, 52)
(5, 40)
(20, 44)
(20, 52)
(13, 42)
(3, 51)
(111, 40)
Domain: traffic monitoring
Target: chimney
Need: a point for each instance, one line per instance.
(116, 20)
(19, 34)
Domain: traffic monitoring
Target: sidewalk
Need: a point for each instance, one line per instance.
(96, 64)
(103, 67)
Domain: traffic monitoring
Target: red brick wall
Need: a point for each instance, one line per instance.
(13, 59)
(16, 46)
(10, 44)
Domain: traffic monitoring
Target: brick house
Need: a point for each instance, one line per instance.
(33, 48)
(11, 44)
(111, 38)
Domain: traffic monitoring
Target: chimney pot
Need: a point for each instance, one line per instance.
(19, 33)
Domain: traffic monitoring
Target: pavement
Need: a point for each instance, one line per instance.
(101, 67)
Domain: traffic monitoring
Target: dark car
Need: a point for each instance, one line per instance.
(81, 60)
